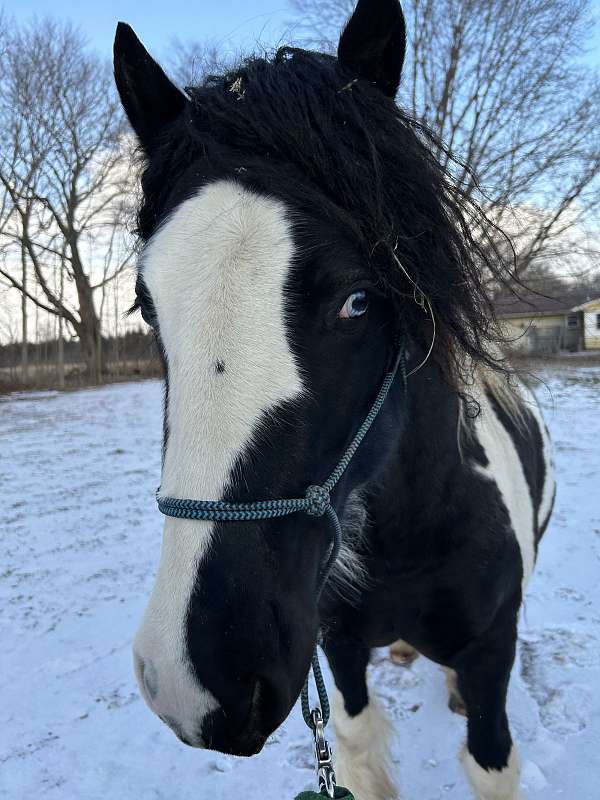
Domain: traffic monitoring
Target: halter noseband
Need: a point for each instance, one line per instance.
(317, 503)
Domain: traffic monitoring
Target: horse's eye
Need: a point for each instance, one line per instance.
(355, 305)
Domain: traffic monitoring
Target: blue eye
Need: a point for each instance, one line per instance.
(355, 305)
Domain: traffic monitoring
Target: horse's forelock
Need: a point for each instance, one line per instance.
(298, 126)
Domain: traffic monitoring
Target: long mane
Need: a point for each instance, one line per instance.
(336, 147)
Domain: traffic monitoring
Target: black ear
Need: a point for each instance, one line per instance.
(373, 42)
(149, 98)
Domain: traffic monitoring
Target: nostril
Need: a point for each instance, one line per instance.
(147, 675)
(256, 695)
(264, 706)
(138, 667)
(150, 679)
(251, 720)
(272, 703)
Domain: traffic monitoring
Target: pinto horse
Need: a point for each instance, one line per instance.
(296, 226)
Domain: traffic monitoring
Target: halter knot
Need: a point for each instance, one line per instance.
(318, 500)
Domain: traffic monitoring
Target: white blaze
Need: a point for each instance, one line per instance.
(216, 271)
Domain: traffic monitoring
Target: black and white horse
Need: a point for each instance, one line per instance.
(294, 224)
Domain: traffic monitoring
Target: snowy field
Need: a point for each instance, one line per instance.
(78, 545)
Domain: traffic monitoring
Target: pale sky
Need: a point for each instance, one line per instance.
(229, 23)
(233, 24)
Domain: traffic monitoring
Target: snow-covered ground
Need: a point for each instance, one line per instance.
(78, 545)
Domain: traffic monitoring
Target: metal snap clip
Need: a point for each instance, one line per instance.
(323, 755)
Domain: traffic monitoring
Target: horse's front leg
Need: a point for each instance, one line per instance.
(490, 758)
(361, 728)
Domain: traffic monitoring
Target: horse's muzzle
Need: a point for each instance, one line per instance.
(219, 731)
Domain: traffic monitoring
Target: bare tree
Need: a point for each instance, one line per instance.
(6, 212)
(502, 83)
(189, 62)
(9, 325)
(63, 174)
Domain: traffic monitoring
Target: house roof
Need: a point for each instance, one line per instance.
(531, 304)
(590, 305)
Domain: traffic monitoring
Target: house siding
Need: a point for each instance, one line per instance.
(542, 334)
(590, 326)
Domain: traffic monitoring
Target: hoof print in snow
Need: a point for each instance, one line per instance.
(547, 661)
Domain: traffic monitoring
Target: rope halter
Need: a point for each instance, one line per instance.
(316, 503)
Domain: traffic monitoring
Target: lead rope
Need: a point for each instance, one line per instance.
(317, 503)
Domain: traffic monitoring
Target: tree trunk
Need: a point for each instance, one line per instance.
(89, 329)
(89, 335)
(24, 344)
(61, 326)
(60, 355)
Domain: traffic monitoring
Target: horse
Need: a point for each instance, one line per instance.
(298, 232)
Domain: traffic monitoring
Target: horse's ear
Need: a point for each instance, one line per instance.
(373, 42)
(149, 98)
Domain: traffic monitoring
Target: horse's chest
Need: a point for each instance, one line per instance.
(435, 599)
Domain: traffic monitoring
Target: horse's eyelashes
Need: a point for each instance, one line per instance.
(144, 302)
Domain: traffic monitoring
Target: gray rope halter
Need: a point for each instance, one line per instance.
(316, 502)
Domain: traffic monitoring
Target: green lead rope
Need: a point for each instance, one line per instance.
(316, 502)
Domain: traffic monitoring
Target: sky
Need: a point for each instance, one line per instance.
(233, 24)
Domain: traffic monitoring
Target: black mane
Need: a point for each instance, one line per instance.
(298, 125)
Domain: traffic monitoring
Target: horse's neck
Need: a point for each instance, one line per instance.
(429, 454)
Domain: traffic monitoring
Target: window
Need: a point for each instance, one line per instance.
(598, 321)
(573, 321)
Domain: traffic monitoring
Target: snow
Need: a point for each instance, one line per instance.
(80, 540)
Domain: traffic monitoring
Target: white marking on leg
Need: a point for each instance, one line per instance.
(216, 271)
(494, 784)
(362, 752)
(456, 702)
(451, 679)
(506, 471)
